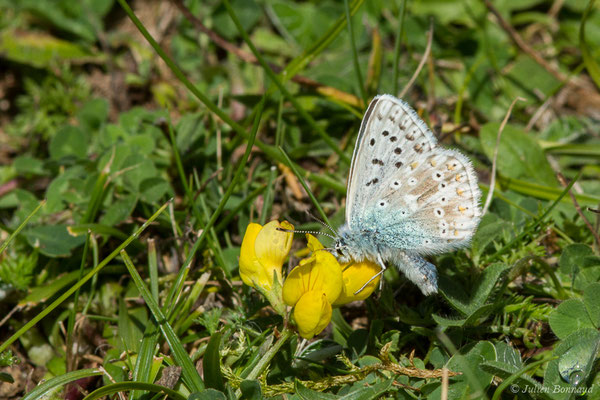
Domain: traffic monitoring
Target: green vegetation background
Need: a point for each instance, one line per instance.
(126, 184)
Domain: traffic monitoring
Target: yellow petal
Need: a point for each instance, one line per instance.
(273, 246)
(313, 243)
(312, 313)
(270, 248)
(249, 265)
(355, 276)
(320, 272)
(327, 275)
(296, 283)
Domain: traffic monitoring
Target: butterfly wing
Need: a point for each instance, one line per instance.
(416, 195)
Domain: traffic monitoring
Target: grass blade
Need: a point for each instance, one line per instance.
(305, 186)
(189, 374)
(590, 63)
(212, 363)
(125, 386)
(43, 390)
(397, 46)
(359, 79)
(20, 227)
(544, 192)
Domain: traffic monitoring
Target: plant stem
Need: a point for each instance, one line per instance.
(266, 359)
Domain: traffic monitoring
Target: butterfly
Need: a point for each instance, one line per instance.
(407, 196)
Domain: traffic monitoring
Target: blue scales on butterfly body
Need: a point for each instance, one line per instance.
(407, 196)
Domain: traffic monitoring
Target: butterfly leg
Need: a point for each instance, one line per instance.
(382, 265)
(419, 271)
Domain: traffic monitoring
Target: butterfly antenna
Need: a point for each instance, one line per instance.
(311, 232)
(321, 222)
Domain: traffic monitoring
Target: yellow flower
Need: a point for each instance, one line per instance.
(355, 275)
(264, 249)
(312, 313)
(311, 288)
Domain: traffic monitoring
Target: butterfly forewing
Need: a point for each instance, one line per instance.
(415, 194)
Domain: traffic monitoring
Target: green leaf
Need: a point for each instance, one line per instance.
(473, 380)
(70, 141)
(154, 189)
(250, 390)
(480, 291)
(447, 12)
(569, 317)
(490, 229)
(519, 154)
(212, 364)
(574, 258)
(479, 314)
(93, 114)
(6, 377)
(576, 353)
(302, 23)
(575, 364)
(530, 78)
(137, 168)
(522, 383)
(53, 240)
(249, 12)
(40, 50)
(591, 299)
(485, 284)
(368, 392)
(507, 354)
(119, 211)
(26, 165)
